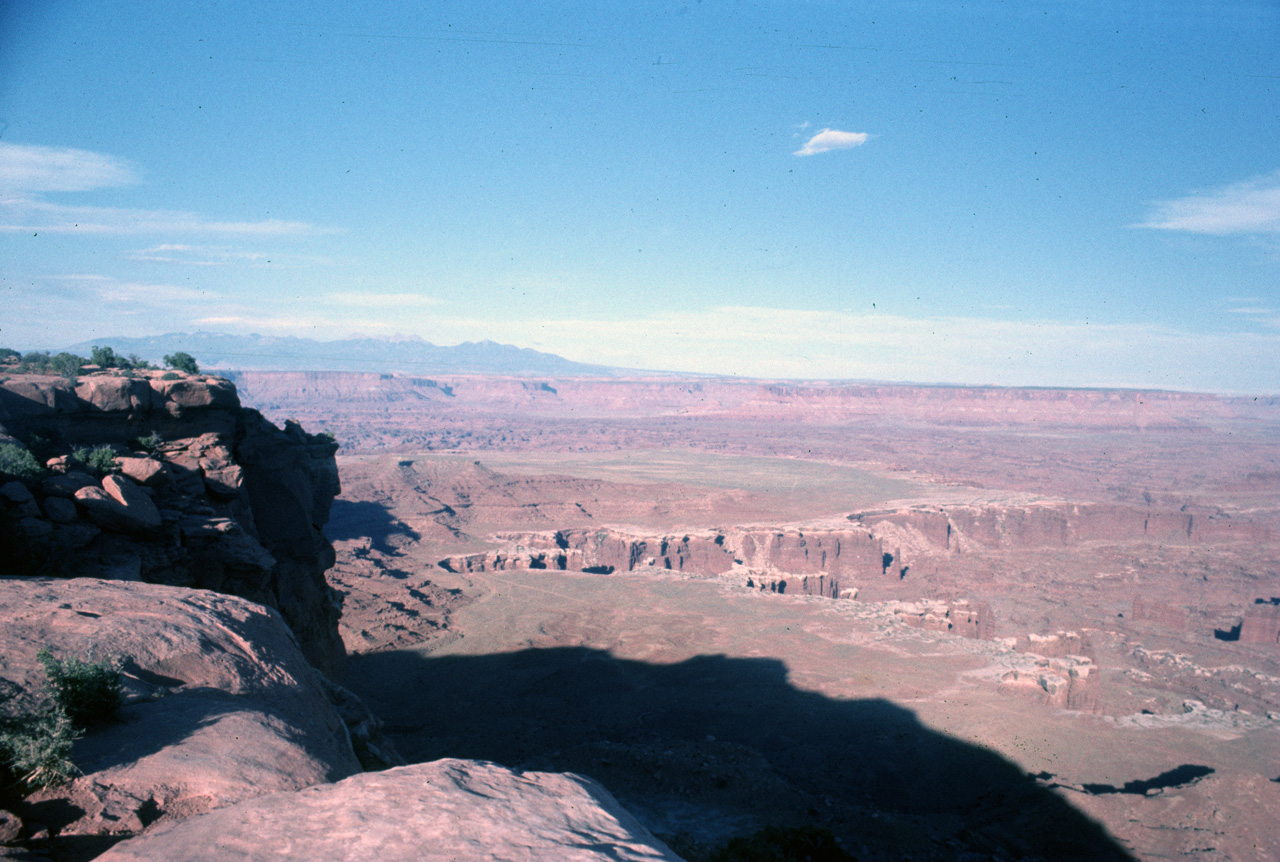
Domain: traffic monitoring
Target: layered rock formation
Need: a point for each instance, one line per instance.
(1055, 524)
(446, 810)
(795, 552)
(209, 494)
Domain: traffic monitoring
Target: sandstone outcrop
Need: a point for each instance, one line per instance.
(221, 706)
(209, 495)
(452, 810)
(1065, 673)
(959, 617)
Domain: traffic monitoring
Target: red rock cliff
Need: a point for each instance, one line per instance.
(215, 498)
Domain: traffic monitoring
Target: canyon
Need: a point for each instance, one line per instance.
(1092, 571)
(936, 622)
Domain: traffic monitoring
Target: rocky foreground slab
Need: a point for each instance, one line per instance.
(445, 810)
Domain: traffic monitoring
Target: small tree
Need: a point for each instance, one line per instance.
(66, 364)
(105, 357)
(184, 362)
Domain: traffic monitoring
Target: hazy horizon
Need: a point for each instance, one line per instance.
(1051, 195)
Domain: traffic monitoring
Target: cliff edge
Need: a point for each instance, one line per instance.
(166, 478)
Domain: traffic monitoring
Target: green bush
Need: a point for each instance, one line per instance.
(8, 354)
(184, 362)
(37, 748)
(18, 463)
(150, 443)
(89, 692)
(170, 375)
(96, 462)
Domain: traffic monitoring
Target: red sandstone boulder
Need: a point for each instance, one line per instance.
(110, 513)
(145, 471)
(115, 393)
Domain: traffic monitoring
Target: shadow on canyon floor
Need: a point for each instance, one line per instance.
(355, 519)
(714, 746)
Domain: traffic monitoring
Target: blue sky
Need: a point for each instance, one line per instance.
(1011, 193)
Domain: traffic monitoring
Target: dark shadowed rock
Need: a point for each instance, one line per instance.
(66, 484)
(110, 513)
(445, 810)
(60, 510)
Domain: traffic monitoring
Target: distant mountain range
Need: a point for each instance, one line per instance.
(411, 355)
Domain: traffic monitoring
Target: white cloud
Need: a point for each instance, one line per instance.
(153, 295)
(25, 168)
(1252, 206)
(831, 139)
(29, 214)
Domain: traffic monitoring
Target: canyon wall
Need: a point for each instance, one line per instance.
(206, 493)
(879, 544)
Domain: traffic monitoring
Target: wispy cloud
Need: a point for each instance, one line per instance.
(165, 295)
(29, 214)
(831, 139)
(383, 300)
(1250, 207)
(195, 255)
(210, 255)
(25, 168)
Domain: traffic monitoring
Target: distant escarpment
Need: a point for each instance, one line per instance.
(877, 544)
(166, 478)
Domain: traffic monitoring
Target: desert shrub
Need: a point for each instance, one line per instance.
(18, 463)
(170, 375)
(89, 692)
(136, 361)
(41, 446)
(149, 443)
(36, 361)
(37, 748)
(8, 354)
(184, 362)
(99, 462)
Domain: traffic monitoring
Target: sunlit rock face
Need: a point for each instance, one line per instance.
(220, 704)
(208, 494)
